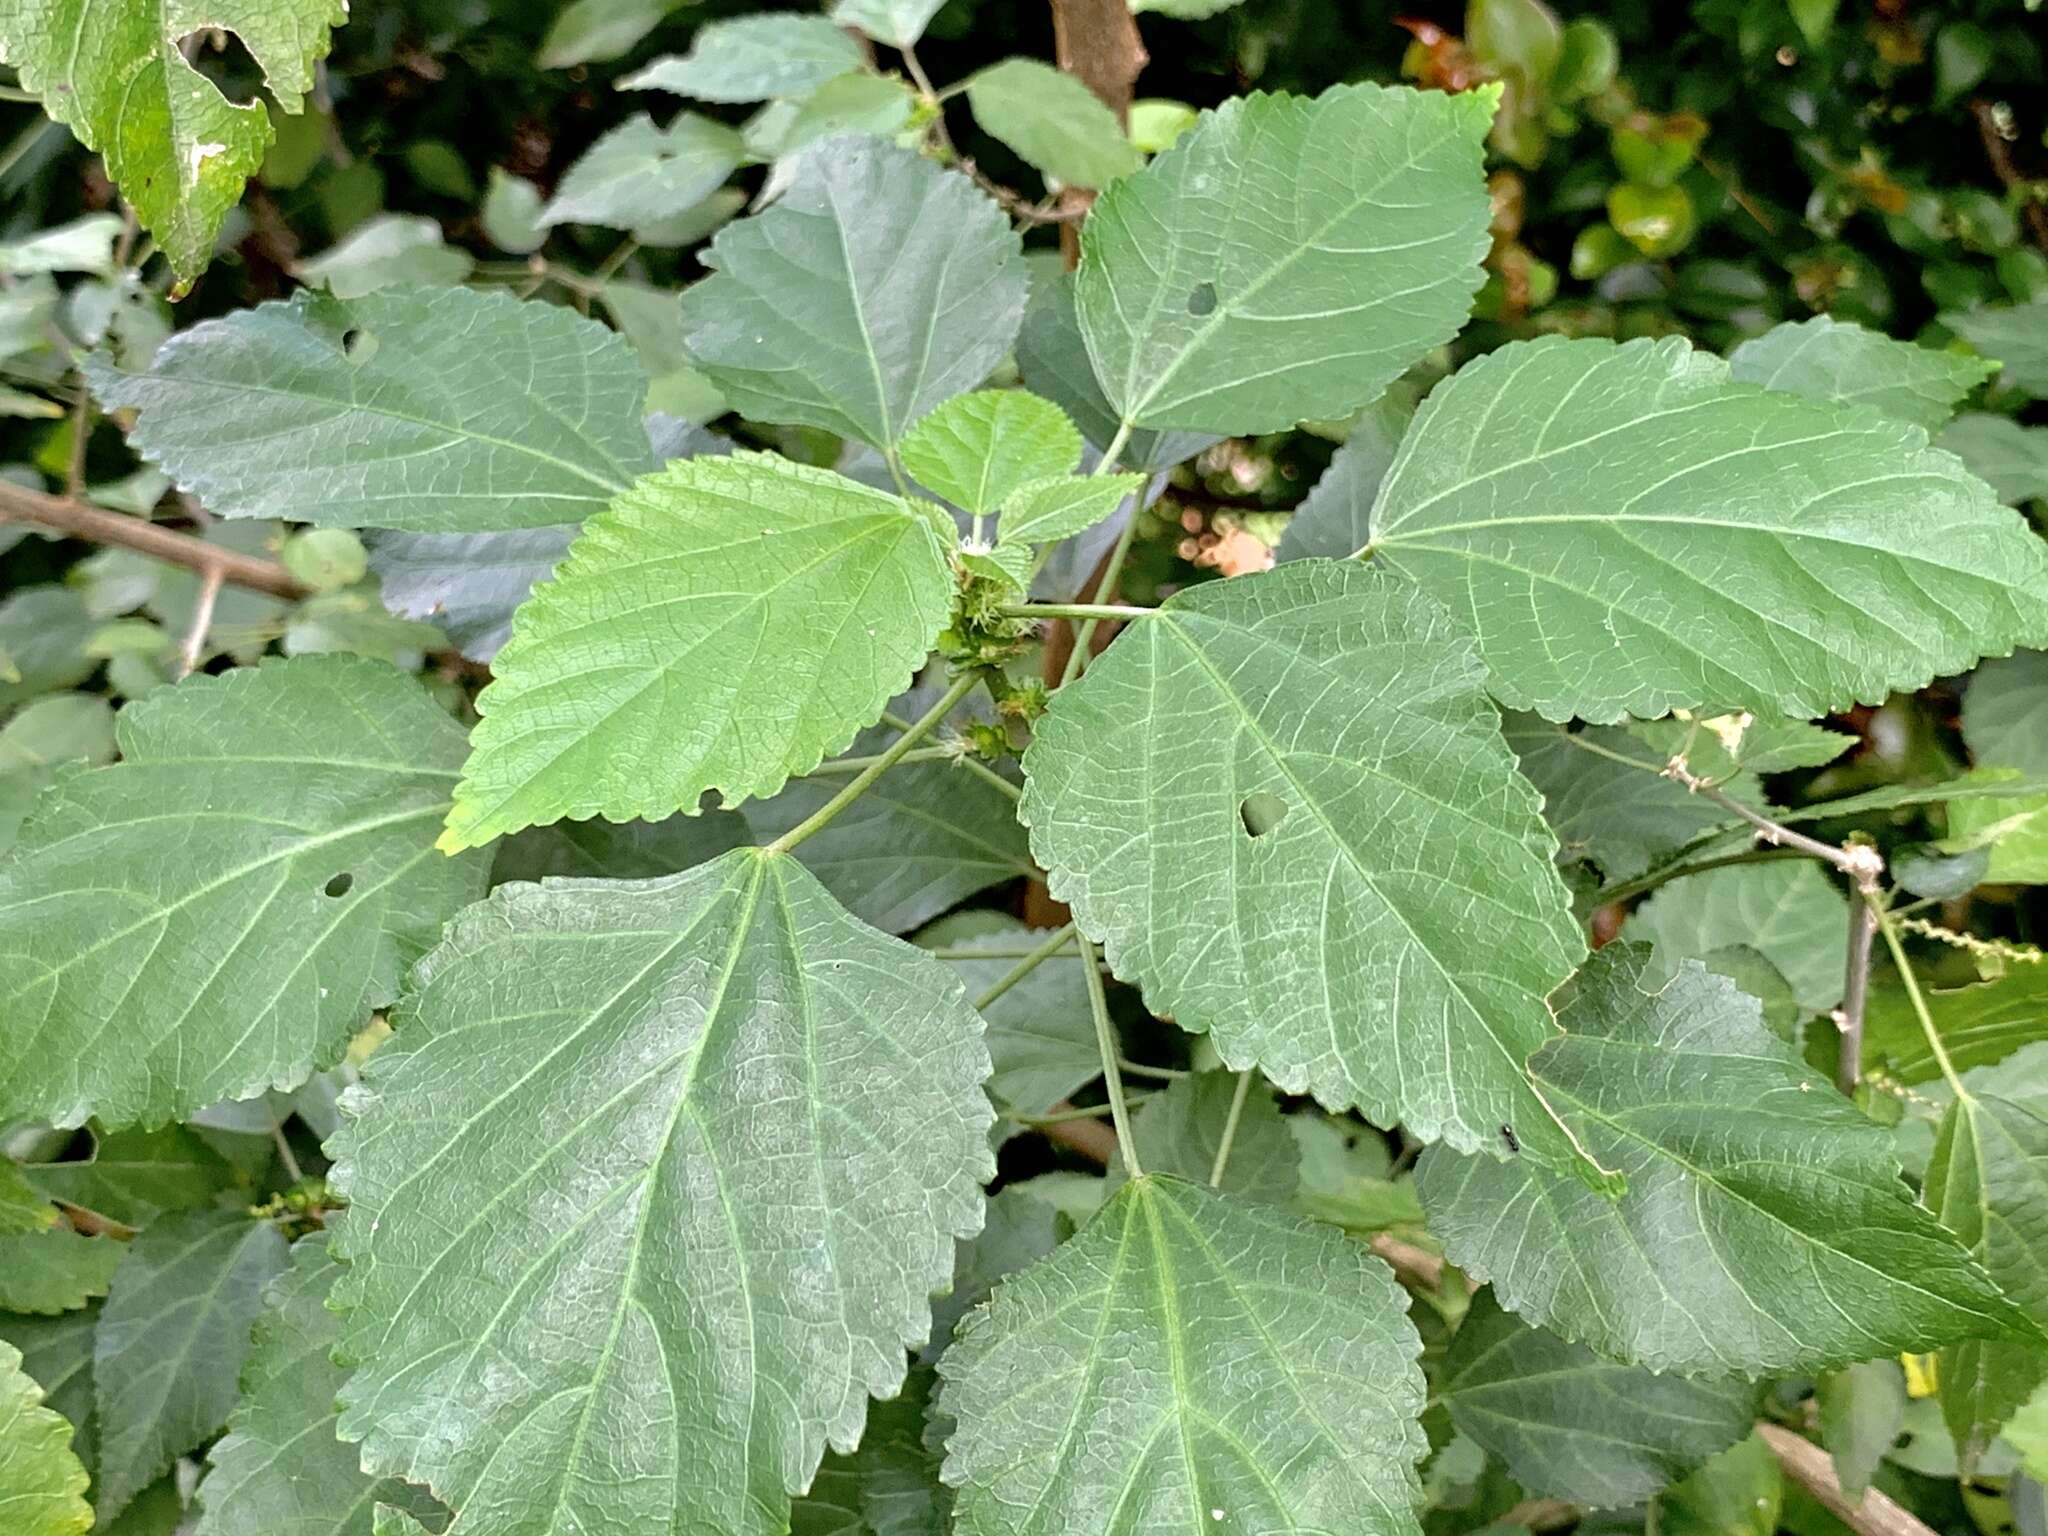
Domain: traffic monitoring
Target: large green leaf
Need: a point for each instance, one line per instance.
(430, 409)
(875, 287)
(1356, 224)
(44, 1273)
(639, 174)
(113, 71)
(754, 58)
(1390, 942)
(1758, 1198)
(1187, 1365)
(1627, 531)
(57, 1352)
(2016, 335)
(1827, 359)
(216, 913)
(280, 1468)
(899, 23)
(1988, 1182)
(1791, 913)
(1573, 1426)
(172, 1339)
(1052, 121)
(723, 624)
(135, 1176)
(42, 1485)
(648, 1195)
(2005, 713)
(1978, 1024)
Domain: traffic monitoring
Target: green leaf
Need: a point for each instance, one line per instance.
(1738, 1493)
(638, 173)
(594, 31)
(135, 1176)
(1041, 1034)
(2015, 335)
(890, 1486)
(619, 850)
(1790, 913)
(43, 630)
(43, 1481)
(1053, 358)
(1046, 511)
(1020, 1229)
(280, 1467)
(1757, 1197)
(55, 1271)
(924, 837)
(1185, 1355)
(1052, 121)
(1862, 1409)
(2014, 832)
(899, 23)
(648, 1195)
(979, 450)
(1180, 1130)
(22, 1207)
(1335, 518)
(112, 71)
(753, 58)
(1315, 306)
(215, 914)
(1402, 915)
(877, 287)
(1627, 531)
(2005, 713)
(511, 214)
(172, 1339)
(722, 625)
(1622, 818)
(1826, 359)
(390, 250)
(1720, 747)
(1978, 1025)
(1997, 449)
(467, 583)
(1573, 1426)
(435, 410)
(57, 1352)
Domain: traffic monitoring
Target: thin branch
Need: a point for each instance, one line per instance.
(1105, 1041)
(81, 521)
(1995, 127)
(1904, 966)
(1216, 1169)
(1142, 1069)
(1092, 612)
(832, 767)
(1062, 1116)
(1090, 1138)
(973, 765)
(1875, 1514)
(194, 648)
(1863, 922)
(1025, 966)
(284, 1151)
(1626, 890)
(1857, 860)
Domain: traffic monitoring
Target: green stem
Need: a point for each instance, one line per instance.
(1113, 451)
(616, 260)
(1628, 889)
(1244, 1083)
(1085, 636)
(840, 765)
(1142, 1069)
(1026, 966)
(1904, 967)
(1105, 1041)
(1089, 611)
(898, 750)
(973, 765)
(1062, 1116)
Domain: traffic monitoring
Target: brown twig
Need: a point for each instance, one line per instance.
(1995, 128)
(194, 649)
(1091, 1138)
(1814, 1470)
(81, 521)
(1856, 987)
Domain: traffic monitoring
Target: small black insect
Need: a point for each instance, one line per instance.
(1507, 1134)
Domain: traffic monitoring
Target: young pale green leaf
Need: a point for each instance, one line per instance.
(592, 31)
(42, 1484)
(1053, 358)
(754, 58)
(2011, 458)
(722, 625)
(113, 72)
(648, 1195)
(2005, 713)
(389, 251)
(2015, 335)
(2013, 833)
(1335, 518)
(172, 1339)
(1052, 121)
(57, 1352)
(1046, 511)
(979, 450)
(1390, 941)
(1623, 818)
(1737, 1493)
(1180, 1131)
(22, 1207)
(1758, 1198)
(1790, 913)
(1827, 359)
(434, 410)
(1573, 1426)
(1627, 531)
(875, 288)
(1317, 304)
(1986, 1182)
(1186, 1365)
(899, 23)
(638, 173)
(60, 1270)
(280, 1468)
(215, 914)
(1979, 1025)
